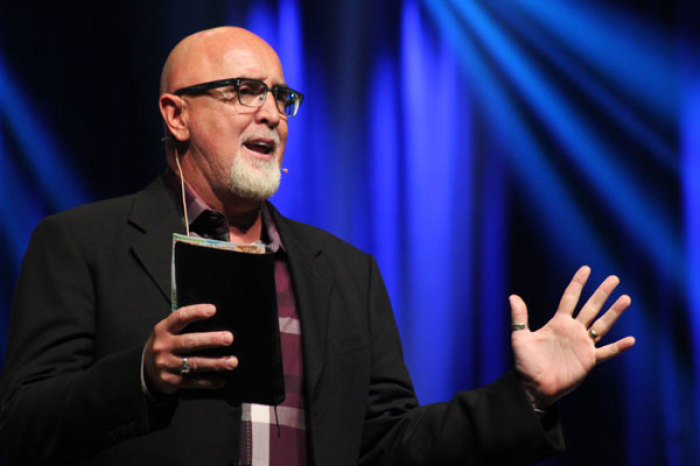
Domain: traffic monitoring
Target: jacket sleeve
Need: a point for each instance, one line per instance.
(59, 401)
(489, 425)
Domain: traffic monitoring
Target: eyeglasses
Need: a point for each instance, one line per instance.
(251, 93)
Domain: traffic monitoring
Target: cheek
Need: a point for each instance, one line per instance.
(282, 131)
(216, 146)
(220, 136)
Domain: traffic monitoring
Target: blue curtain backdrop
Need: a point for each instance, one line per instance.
(475, 148)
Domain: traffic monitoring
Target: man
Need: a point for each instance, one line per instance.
(99, 371)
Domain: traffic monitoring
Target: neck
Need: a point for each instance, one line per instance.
(245, 227)
(243, 215)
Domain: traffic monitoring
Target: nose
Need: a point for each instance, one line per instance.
(268, 114)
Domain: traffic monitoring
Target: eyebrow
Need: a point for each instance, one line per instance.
(283, 84)
(258, 78)
(210, 85)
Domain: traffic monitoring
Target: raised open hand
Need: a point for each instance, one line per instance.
(555, 359)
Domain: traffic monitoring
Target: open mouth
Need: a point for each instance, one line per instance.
(260, 146)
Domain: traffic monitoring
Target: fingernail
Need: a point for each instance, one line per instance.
(227, 338)
(233, 362)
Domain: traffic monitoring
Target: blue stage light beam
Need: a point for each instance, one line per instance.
(55, 178)
(620, 114)
(292, 194)
(636, 61)
(290, 47)
(261, 20)
(11, 233)
(18, 218)
(690, 175)
(386, 180)
(638, 213)
(427, 295)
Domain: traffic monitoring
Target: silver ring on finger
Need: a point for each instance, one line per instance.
(593, 334)
(185, 367)
(516, 327)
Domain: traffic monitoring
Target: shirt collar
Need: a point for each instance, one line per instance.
(197, 209)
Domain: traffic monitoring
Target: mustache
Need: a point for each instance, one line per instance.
(267, 135)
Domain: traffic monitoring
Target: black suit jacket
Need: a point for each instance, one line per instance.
(97, 278)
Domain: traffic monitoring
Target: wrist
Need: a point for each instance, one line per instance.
(539, 403)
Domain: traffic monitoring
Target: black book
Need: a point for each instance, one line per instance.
(240, 282)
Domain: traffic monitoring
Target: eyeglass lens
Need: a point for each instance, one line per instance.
(252, 93)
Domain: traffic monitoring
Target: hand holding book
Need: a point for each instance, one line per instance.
(167, 347)
(194, 347)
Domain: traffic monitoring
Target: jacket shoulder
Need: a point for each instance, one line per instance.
(93, 211)
(107, 214)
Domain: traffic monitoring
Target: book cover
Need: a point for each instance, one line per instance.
(240, 281)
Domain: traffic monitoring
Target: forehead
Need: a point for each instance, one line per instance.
(220, 54)
(249, 63)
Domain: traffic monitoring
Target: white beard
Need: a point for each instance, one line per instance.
(254, 179)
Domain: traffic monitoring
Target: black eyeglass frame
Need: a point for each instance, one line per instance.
(202, 88)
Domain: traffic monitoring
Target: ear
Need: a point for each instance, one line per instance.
(172, 109)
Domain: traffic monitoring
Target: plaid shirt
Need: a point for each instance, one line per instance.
(269, 436)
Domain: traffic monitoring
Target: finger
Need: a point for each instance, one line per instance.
(186, 315)
(597, 299)
(606, 352)
(603, 324)
(205, 381)
(518, 310)
(199, 364)
(572, 293)
(190, 342)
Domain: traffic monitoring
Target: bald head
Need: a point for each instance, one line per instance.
(230, 153)
(207, 55)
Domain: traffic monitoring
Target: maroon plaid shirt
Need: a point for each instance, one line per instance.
(269, 436)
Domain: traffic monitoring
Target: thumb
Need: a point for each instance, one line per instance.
(518, 310)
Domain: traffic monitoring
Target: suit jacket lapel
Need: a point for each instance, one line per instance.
(313, 282)
(155, 213)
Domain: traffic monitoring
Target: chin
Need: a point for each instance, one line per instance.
(255, 180)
